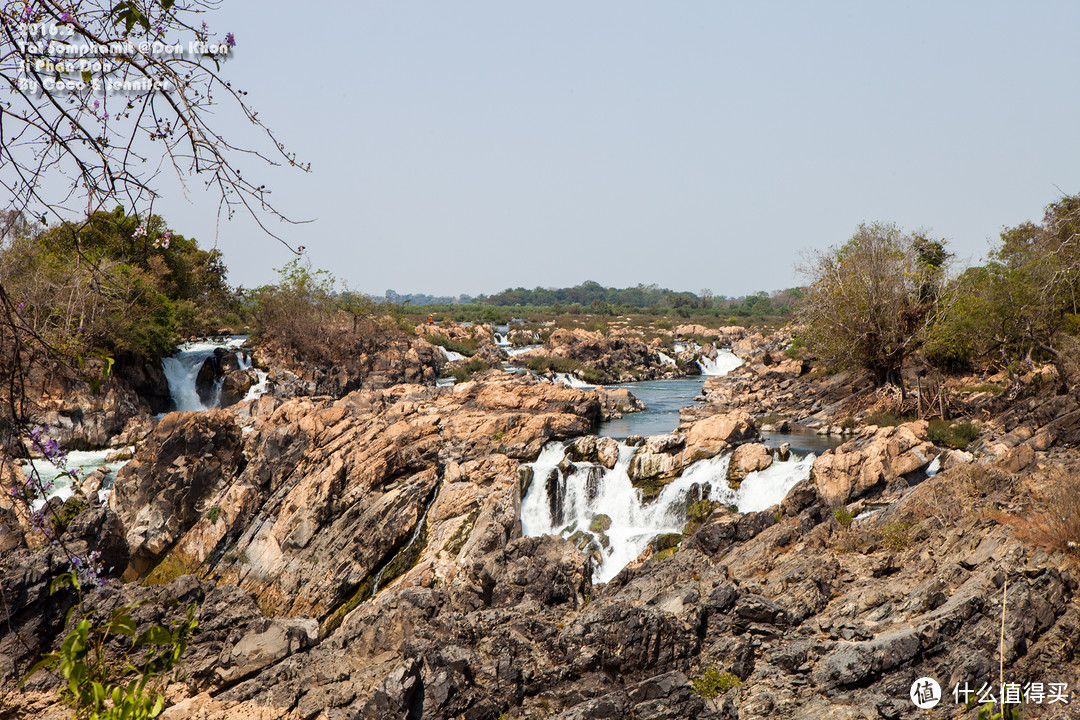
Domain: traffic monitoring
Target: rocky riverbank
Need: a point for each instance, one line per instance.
(361, 556)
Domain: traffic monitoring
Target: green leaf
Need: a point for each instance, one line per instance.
(49, 661)
(87, 76)
(122, 625)
(155, 635)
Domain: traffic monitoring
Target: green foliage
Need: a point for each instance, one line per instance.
(70, 510)
(1023, 303)
(895, 535)
(306, 316)
(569, 366)
(848, 423)
(844, 516)
(952, 435)
(993, 388)
(464, 346)
(713, 683)
(213, 513)
(887, 419)
(464, 372)
(104, 683)
(105, 285)
(872, 299)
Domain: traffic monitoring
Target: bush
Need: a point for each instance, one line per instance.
(952, 435)
(1053, 523)
(844, 516)
(463, 373)
(713, 683)
(895, 535)
(883, 419)
(132, 682)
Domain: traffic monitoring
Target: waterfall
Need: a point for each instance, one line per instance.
(513, 351)
(500, 340)
(571, 504)
(724, 362)
(572, 381)
(665, 359)
(182, 369)
(450, 355)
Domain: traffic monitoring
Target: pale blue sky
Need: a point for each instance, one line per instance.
(465, 147)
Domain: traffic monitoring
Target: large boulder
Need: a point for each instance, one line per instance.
(872, 459)
(748, 458)
(165, 488)
(717, 433)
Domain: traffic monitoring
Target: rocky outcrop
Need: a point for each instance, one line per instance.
(169, 483)
(381, 532)
(392, 361)
(879, 456)
(603, 358)
(80, 418)
(365, 487)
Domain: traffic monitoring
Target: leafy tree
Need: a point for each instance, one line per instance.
(1023, 304)
(871, 300)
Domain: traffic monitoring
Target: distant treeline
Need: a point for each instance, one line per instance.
(591, 296)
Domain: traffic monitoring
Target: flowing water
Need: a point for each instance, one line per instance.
(182, 368)
(662, 399)
(85, 462)
(571, 504)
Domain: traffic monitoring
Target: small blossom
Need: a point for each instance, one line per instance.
(230, 39)
(65, 16)
(19, 309)
(141, 230)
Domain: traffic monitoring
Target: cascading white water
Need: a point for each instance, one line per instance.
(565, 505)
(83, 461)
(665, 359)
(572, 381)
(182, 369)
(450, 355)
(724, 362)
(500, 340)
(514, 351)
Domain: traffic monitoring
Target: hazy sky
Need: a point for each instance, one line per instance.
(466, 147)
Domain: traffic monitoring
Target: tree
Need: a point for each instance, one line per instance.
(105, 94)
(1024, 303)
(870, 301)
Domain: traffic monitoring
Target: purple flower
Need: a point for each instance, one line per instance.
(65, 16)
(230, 39)
(20, 308)
(204, 27)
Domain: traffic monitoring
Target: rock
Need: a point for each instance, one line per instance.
(858, 465)
(607, 452)
(752, 457)
(11, 533)
(206, 379)
(257, 650)
(617, 402)
(166, 487)
(235, 386)
(719, 432)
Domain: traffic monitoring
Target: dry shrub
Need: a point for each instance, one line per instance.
(1053, 521)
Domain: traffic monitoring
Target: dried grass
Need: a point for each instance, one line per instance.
(1053, 521)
